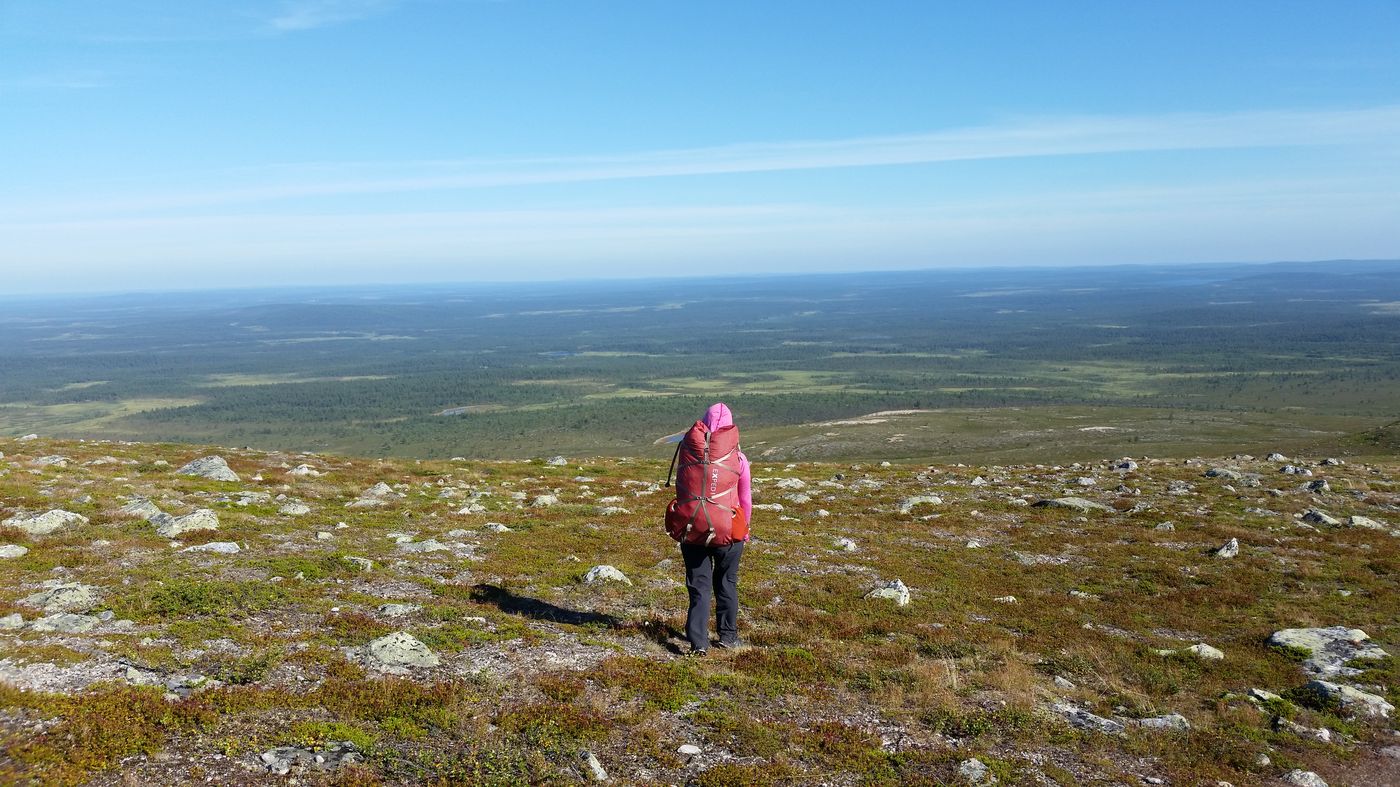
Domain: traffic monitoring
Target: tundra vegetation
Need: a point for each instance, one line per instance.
(368, 621)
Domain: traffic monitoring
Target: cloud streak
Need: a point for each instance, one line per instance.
(1048, 137)
(313, 14)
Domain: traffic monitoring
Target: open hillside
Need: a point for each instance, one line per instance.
(332, 620)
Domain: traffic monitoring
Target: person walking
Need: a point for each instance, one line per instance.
(710, 518)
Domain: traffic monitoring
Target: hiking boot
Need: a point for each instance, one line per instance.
(698, 653)
(730, 644)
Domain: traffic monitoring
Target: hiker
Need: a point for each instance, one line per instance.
(710, 518)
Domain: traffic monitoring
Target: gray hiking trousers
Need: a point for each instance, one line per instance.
(712, 571)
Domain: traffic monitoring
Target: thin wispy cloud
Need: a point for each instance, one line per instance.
(1375, 127)
(64, 80)
(312, 14)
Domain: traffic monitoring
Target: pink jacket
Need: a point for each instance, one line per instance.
(719, 416)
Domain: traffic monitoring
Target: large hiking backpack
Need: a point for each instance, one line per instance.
(706, 508)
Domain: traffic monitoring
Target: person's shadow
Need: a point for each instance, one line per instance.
(659, 631)
(535, 609)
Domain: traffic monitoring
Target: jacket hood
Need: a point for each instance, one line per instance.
(718, 417)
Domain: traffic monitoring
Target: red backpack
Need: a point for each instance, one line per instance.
(706, 508)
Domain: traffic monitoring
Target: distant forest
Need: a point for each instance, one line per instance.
(611, 366)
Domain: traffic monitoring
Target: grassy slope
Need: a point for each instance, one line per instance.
(838, 688)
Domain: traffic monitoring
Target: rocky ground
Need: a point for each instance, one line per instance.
(172, 616)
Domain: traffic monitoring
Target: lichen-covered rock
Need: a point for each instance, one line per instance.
(45, 523)
(1301, 778)
(400, 649)
(211, 467)
(1329, 648)
(1171, 721)
(65, 623)
(13, 550)
(974, 771)
(294, 508)
(171, 526)
(1316, 516)
(64, 597)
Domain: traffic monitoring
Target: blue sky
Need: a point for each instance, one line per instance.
(158, 144)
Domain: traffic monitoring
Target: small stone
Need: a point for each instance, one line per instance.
(1302, 778)
(894, 590)
(1085, 720)
(1064, 684)
(688, 749)
(1224, 472)
(973, 543)
(497, 527)
(397, 610)
(595, 768)
(211, 467)
(974, 771)
(294, 509)
(845, 544)
(1276, 457)
(324, 535)
(908, 504)
(1205, 652)
(431, 545)
(600, 574)
(556, 461)
(141, 508)
(401, 649)
(364, 564)
(304, 471)
(217, 547)
(13, 550)
(1316, 516)
(544, 501)
(1005, 599)
(1230, 549)
(1171, 721)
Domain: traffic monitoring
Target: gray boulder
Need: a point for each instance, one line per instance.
(12, 621)
(45, 523)
(1366, 522)
(1329, 648)
(1316, 516)
(141, 508)
(1085, 720)
(1354, 702)
(1224, 472)
(13, 550)
(294, 508)
(211, 467)
(171, 526)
